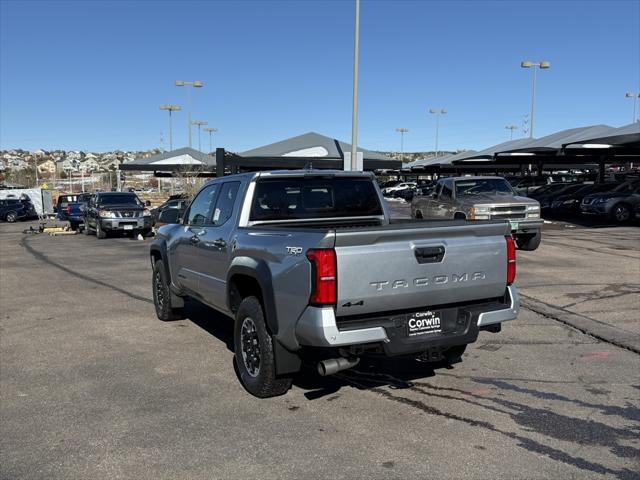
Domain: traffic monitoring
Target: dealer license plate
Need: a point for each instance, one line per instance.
(514, 225)
(424, 323)
(128, 227)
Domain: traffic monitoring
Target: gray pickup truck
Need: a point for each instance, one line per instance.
(483, 198)
(313, 269)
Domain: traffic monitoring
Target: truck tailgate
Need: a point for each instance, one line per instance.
(398, 267)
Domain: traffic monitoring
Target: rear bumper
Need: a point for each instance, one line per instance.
(528, 226)
(317, 327)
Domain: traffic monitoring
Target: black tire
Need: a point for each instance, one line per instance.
(254, 353)
(621, 213)
(419, 215)
(11, 217)
(100, 233)
(459, 216)
(162, 295)
(529, 243)
(73, 226)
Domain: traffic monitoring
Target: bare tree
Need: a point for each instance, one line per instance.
(189, 178)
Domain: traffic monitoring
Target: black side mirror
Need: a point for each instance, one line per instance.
(147, 203)
(170, 215)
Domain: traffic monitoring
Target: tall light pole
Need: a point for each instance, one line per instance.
(534, 66)
(210, 131)
(512, 128)
(438, 112)
(635, 97)
(402, 131)
(354, 107)
(171, 108)
(199, 123)
(195, 84)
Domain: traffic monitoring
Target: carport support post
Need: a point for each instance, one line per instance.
(601, 172)
(220, 162)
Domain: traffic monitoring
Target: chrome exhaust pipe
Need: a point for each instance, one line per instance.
(335, 365)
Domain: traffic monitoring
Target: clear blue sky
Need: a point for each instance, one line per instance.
(91, 75)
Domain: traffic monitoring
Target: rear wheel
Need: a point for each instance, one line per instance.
(73, 226)
(254, 352)
(162, 298)
(418, 214)
(528, 243)
(11, 217)
(621, 213)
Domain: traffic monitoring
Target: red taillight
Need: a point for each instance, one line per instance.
(69, 210)
(324, 273)
(511, 260)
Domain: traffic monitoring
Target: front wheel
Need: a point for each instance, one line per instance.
(254, 354)
(528, 243)
(162, 299)
(11, 217)
(100, 233)
(621, 213)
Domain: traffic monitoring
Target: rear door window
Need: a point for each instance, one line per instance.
(226, 201)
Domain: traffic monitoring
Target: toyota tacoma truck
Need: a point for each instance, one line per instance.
(483, 198)
(313, 269)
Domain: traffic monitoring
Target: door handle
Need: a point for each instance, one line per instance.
(220, 243)
(429, 254)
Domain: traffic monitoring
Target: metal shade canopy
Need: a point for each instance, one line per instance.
(319, 150)
(552, 144)
(182, 159)
(627, 136)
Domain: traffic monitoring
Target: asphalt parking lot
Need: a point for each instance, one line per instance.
(94, 386)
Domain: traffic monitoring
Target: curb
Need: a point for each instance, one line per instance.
(586, 325)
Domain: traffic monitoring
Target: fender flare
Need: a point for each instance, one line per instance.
(159, 246)
(258, 270)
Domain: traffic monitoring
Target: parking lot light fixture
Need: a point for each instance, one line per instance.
(402, 131)
(170, 108)
(512, 128)
(437, 112)
(210, 131)
(534, 65)
(195, 84)
(635, 97)
(199, 123)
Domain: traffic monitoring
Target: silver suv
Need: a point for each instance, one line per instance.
(482, 198)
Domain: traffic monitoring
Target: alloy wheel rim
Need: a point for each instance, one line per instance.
(159, 291)
(250, 347)
(622, 213)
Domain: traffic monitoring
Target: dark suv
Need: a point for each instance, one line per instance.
(12, 209)
(117, 212)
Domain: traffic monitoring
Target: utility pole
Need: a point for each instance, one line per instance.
(354, 106)
(194, 84)
(402, 131)
(199, 123)
(635, 97)
(170, 109)
(438, 113)
(512, 128)
(534, 66)
(210, 131)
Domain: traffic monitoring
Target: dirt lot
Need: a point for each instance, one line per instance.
(92, 385)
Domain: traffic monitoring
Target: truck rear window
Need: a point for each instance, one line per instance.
(314, 197)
